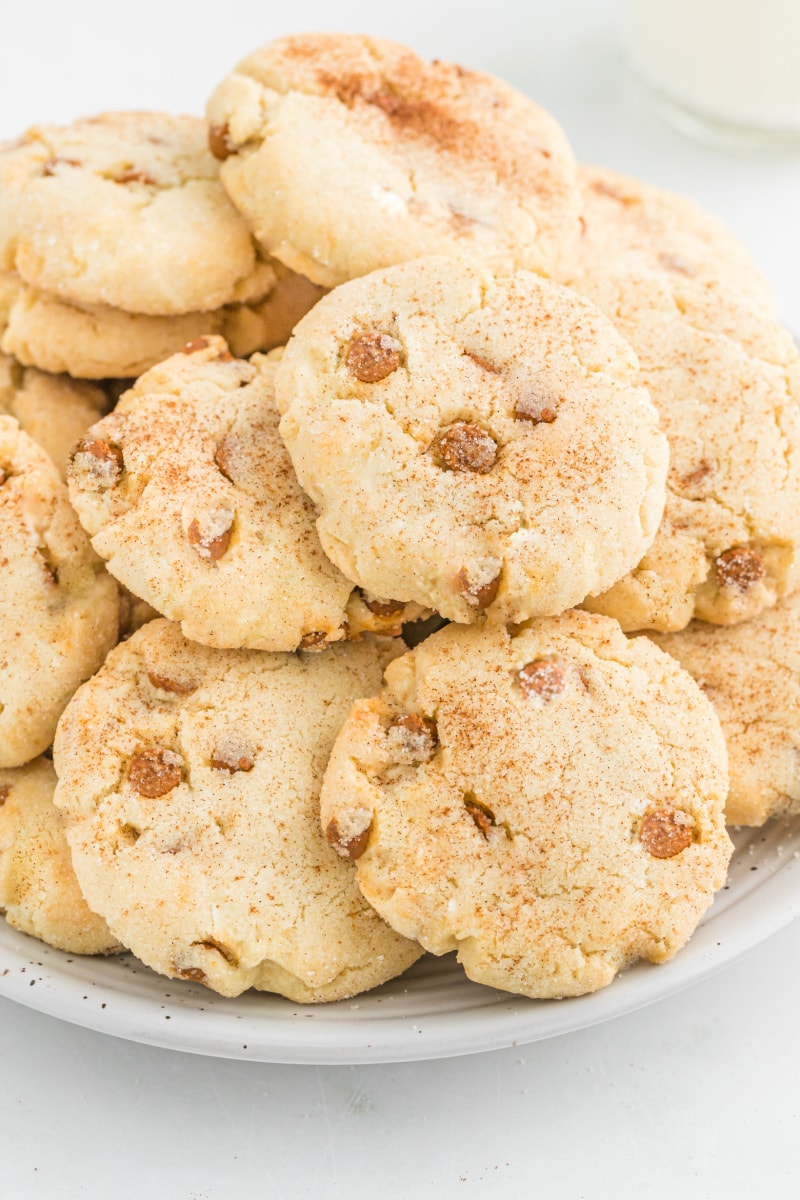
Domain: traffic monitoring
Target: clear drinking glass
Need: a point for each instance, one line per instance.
(722, 69)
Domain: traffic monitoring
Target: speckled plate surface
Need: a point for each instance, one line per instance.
(431, 1012)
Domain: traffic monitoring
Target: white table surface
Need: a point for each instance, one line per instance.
(696, 1096)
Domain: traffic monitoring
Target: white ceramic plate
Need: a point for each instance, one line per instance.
(431, 1012)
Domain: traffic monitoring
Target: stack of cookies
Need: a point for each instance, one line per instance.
(376, 365)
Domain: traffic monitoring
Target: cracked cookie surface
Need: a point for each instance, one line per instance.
(58, 607)
(126, 210)
(189, 779)
(38, 889)
(189, 495)
(437, 160)
(549, 803)
(751, 674)
(472, 444)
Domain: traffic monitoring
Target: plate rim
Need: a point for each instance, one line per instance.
(721, 938)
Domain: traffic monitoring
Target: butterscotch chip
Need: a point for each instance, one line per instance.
(544, 679)
(665, 832)
(439, 160)
(434, 490)
(751, 674)
(214, 863)
(154, 772)
(373, 356)
(552, 844)
(208, 523)
(76, 223)
(465, 447)
(739, 568)
(39, 893)
(725, 377)
(58, 608)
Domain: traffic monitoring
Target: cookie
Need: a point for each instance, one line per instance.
(655, 230)
(126, 210)
(729, 543)
(58, 607)
(51, 409)
(751, 674)
(346, 154)
(548, 802)
(471, 443)
(189, 494)
(190, 780)
(39, 893)
(98, 342)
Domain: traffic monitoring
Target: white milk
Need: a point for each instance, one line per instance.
(733, 63)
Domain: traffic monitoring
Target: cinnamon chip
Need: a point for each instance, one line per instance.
(219, 143)
(467, 447)
(482, 816)
(165, 684)
(212, 540)
(372, 357)
(351, 848)
(154, 772)
(477, 592)
(412, 738)
(739, 568)
(666, 832)
(100, 464)
(542, 678)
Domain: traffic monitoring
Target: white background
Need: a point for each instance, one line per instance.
(694, 1097)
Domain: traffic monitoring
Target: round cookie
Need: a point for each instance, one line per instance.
(51, 409)
(547, 802)
(346, 154)
(126, 210)
(190, 782)
(58, 607)
(98, 342)
(39, 893)
(189, 494)
(729, 542)
(656, 230)
(471, 443)
(751, 674)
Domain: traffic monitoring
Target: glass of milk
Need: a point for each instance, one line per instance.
(729, 69)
